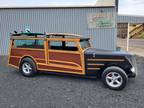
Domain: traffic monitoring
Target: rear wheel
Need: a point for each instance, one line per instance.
(114, 78)
(28, 67)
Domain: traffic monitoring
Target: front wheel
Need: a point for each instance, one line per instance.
(114, 78)
(28, 67)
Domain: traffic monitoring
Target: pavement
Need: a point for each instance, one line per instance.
(55, 91)
(136, 46)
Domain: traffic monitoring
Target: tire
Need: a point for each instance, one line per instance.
(114, 78)
(28, 67)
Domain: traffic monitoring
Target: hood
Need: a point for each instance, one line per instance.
(92, 51)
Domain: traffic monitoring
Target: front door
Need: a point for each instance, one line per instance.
(64, 56)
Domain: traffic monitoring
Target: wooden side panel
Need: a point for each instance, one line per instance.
(63, 62)
(68, 57)
(14, 61)
(33, 53)
(17, 54)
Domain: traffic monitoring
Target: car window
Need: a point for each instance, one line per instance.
(71, 44)
(84, 44)
(63, 45)
(56, 43)
(39, 44)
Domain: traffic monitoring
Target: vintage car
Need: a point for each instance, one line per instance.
(71, 54)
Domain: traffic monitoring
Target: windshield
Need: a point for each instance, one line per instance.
(84, 44)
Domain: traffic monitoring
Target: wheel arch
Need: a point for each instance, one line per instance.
(112, 64)
(28, 56)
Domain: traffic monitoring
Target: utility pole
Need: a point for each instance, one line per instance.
(128, 37)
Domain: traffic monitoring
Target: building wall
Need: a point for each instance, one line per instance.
(69, 20)
(130, 19)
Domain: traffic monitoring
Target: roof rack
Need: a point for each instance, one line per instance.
(44, 35)
(63, 34)
(26, 33)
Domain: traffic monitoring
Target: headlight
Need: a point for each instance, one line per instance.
(133, 69)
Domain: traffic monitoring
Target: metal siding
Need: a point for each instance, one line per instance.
(70, 20)
(130, 19)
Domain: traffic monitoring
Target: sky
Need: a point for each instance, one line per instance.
(130, 7)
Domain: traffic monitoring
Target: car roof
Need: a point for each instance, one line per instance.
(48, 35)
(63, 34)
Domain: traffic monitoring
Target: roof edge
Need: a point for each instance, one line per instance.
(55, 6)
(131, 15)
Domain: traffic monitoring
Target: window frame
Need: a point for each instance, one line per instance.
(13, 43)
(60, 50)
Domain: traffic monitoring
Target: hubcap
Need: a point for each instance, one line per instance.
(114, 79)
(26, 67)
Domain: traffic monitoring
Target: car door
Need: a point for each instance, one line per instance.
(64, 56)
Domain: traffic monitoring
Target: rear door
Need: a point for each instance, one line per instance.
(64, 56)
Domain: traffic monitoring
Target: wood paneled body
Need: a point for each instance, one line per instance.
(16, 54)
(47, 59)
(63, 62)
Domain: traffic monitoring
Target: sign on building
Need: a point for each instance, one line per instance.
(100, 20)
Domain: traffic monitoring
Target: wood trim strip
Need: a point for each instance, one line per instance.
(61, 66)
(27, 55)
(64, 51)
(92, 64)
(59, 61)
(61, 71)
(93, 68)
(9, 51)
(28, 49)
(13, 66)
(46, 51)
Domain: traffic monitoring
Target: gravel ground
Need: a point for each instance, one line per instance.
(53, 91)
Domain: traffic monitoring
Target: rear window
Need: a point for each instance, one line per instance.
(38, 44)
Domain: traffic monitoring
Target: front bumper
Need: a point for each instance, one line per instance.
(133, 72)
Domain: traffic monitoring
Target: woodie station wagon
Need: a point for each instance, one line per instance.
(69, 54)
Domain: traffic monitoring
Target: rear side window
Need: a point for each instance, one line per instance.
(56, 43)
(38, 44)
(63, 45)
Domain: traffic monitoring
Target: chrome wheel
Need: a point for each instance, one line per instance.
(26, 68)
(114, 79)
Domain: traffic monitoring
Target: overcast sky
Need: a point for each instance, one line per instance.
(134, 7)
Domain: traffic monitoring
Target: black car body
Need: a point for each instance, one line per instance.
(106, 58)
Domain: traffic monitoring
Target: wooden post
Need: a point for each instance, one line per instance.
(127, 47)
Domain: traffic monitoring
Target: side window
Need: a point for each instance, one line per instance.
(38, 44)
(71, 46)
(57, 45)
(63, 45)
